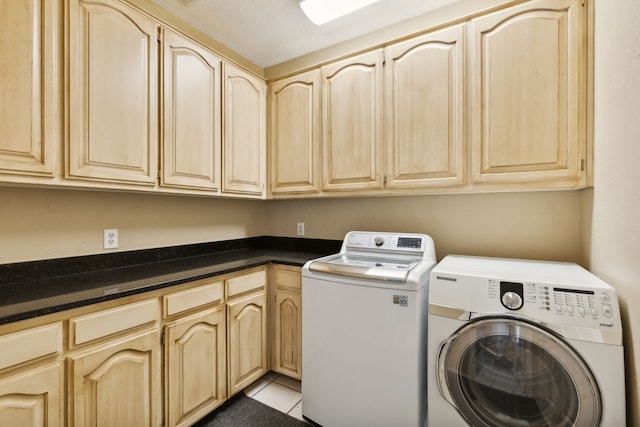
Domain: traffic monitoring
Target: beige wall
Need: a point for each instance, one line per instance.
(540, 225)
(41, 224)
(611, 211)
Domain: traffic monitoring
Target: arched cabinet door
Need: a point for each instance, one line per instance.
(33, 398)
(294, 132)
(424, 110)
(113, 93)
(247, 340)
(123, 374)
(196, 380)
(244, 141)
(29, 37)
(192, 115)
(503, 371)
(352, 123)
(527, 89)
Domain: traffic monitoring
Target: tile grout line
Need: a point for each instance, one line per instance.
(293, 407)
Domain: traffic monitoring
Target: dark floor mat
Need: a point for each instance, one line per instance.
(243, 411)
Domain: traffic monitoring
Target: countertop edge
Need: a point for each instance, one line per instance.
(35, 298)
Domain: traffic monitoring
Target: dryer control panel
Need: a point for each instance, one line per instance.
(561, 294)
(563, 301)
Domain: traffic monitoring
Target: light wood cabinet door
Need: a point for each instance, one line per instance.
(286, 320)
(247, 340)
(113, 85)
(294, 143)
(352, 123)
(527, 93)
(29, 66)
(192, 115)
(424, 109)
(287, 346)
(245, 133)
(195, 366)
(34, 398)
(118, 383)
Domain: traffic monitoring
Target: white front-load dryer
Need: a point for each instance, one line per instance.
(523, 343)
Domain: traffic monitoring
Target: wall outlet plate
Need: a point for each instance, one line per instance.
(300, 228)
(111, 238)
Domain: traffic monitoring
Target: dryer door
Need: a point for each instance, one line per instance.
(507, 372)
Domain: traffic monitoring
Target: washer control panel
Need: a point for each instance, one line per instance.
(389, 242)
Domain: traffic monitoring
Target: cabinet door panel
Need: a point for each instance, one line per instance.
(424, 107)
(124, 375)
(288, 333)
(526, 99)
(247, 346)
(113, 108)
(295, 134)
(352, 123)
(191, 154)
(196, 366)
(245, 134)
(29, 77)
(34, 398)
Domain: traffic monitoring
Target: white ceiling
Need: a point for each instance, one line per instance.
(268, 32)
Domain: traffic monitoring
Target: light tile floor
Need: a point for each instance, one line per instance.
(278, 391)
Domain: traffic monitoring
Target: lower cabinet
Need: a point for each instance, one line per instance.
(122, 364)
(32, 376)
(286, 320)
(196, 366)
(118, 383)
(34, 398)
(247, 338)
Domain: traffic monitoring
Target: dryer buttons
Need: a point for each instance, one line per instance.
(511, 295)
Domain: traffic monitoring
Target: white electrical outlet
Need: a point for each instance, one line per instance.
(301, 229)
(111, 238)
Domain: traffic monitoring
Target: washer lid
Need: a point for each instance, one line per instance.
(380, 269)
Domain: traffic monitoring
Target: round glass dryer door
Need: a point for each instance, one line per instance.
(506, 372)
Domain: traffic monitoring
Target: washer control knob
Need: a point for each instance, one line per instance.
(378, 241)
(511, 300)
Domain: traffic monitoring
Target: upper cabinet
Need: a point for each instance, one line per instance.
(129, 78)
(424, 109)
(294, 131)
(245, 135)
(29, 37)
(527, 90)
(352, 123)
(113, 93)
(192, 115)
(495, 102)
(103, 94)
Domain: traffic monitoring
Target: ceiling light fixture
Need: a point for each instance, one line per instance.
(322, 11)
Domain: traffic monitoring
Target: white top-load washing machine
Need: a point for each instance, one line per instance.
(364, 332)
(523, 343)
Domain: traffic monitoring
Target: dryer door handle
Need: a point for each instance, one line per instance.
(441, 374)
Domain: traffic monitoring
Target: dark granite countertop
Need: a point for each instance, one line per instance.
(41, 287)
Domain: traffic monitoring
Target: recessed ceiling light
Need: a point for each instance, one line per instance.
(187, 2)
(322, 11)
